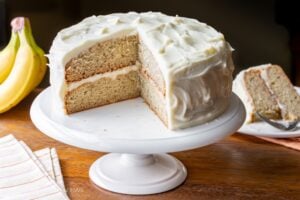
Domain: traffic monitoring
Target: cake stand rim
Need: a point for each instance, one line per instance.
(44, 127)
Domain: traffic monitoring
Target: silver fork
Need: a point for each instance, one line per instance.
(289, 127)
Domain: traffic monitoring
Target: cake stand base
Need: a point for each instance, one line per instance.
(137, 174)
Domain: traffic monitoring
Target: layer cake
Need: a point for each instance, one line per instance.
(181, 67)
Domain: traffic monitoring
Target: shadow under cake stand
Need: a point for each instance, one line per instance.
(136, 139)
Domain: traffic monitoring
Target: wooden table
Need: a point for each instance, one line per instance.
(239, 167)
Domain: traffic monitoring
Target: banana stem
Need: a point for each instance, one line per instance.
(21, 25)
(17, 24)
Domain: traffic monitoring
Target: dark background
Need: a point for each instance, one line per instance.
(259, 31)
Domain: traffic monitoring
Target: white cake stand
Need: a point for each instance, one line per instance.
(137, 140)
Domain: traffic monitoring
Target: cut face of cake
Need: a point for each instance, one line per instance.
(266, 89)
(181, 68)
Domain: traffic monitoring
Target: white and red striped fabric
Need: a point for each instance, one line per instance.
(29, 175)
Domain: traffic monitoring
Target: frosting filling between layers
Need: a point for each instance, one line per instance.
(112, 75)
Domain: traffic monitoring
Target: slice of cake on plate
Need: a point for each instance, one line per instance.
(266, 89)
(181, 67)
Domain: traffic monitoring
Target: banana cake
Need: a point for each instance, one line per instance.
(181, 67)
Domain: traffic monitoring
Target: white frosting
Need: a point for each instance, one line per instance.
(194, 58)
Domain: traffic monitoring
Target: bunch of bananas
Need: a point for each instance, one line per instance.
(22, 65)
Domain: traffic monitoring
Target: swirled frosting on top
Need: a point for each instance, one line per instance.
(195, 60)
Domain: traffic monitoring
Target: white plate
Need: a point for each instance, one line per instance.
(262, 129)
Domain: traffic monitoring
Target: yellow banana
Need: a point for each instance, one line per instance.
(7, 56)
(28, 70)
(41, 53)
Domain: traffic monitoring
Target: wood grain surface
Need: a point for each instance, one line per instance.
(238, 167)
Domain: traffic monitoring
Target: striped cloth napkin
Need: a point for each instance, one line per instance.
(29, 175)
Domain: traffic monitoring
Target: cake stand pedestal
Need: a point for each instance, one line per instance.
(138, 174)
(137, 139)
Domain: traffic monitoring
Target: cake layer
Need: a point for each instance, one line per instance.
(103, 57)
(102, 92)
